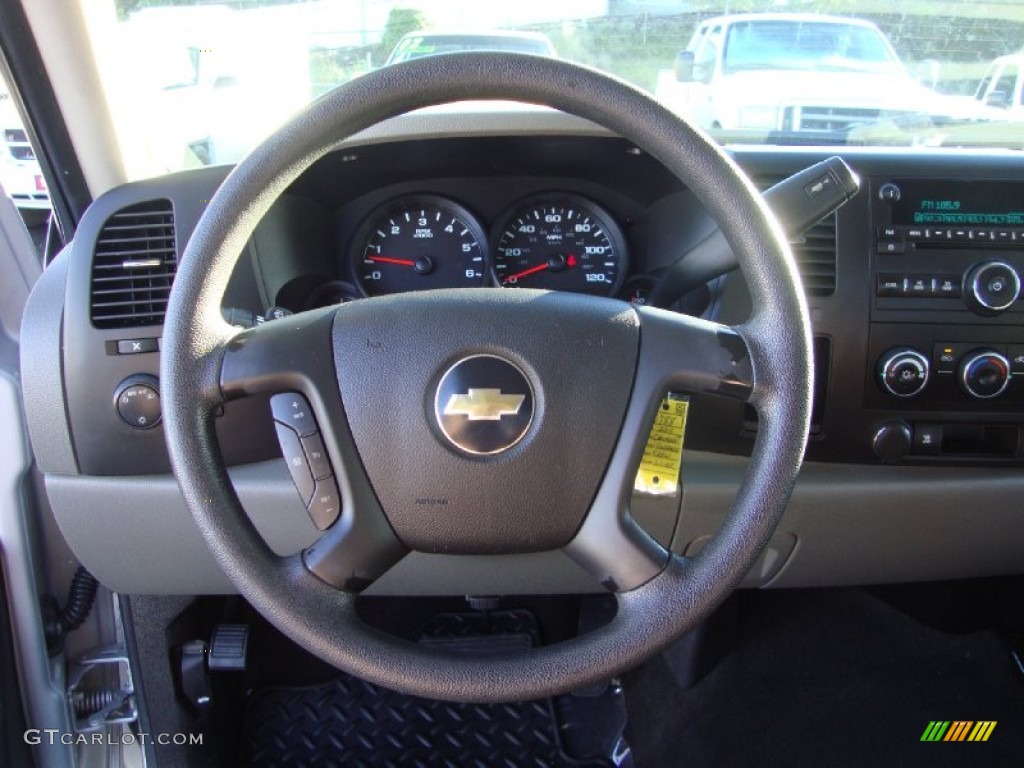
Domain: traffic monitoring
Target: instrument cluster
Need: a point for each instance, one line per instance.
(554, 241)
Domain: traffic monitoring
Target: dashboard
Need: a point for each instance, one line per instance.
(915, 298)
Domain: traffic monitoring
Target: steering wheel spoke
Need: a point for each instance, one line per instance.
(293, 353)
(677, 354)
(293, 358)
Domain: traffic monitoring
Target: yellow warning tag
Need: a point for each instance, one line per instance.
(663, 456)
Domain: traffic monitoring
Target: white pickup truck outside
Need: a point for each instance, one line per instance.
(793, 73)
(1002, 87)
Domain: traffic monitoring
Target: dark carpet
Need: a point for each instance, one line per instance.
(830, 678)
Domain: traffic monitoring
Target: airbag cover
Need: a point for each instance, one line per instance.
(577, 355)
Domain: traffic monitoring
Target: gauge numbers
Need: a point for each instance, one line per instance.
(565, 244)
(420, 243)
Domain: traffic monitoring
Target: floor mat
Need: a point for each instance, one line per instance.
(831, 677)
(351, 723)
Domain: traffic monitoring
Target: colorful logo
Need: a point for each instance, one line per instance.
(958, 730)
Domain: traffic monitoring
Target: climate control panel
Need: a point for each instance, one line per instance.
(952, 371)
(945, 393)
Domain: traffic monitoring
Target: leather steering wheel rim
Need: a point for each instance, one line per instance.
(323, 619)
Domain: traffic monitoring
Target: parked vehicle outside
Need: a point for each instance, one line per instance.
(1002, 87)
(795, 73)
(428, 43)
(20, 174)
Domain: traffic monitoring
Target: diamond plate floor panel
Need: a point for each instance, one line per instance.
(352, 723)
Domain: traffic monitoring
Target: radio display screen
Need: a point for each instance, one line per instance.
(958, 203)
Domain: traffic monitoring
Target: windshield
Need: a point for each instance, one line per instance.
(192, 83)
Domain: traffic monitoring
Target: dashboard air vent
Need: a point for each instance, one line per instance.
(815, 250)
(133, 267)
(815, 253)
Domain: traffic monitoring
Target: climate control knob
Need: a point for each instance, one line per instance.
(903, 372)
(992, 287)
(984, 374)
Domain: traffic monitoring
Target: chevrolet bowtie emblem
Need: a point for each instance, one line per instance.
(484, 405)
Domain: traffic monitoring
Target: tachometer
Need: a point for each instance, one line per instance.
(563, 243)
(417, 243)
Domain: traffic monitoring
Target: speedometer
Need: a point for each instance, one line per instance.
(563, 243)
(417, 243)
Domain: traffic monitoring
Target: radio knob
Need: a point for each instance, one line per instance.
(992, 287)
(985, 374)
(903, 372)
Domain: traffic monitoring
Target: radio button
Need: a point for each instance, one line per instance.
(892, 285)
(891, 247)
(915, 233)
(920, 286)
(947, 286)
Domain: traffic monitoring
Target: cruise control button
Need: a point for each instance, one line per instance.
(319, 464)
(326, 504)
(295, 458)
(292, 409)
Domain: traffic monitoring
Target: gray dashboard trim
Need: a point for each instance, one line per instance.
(857, 524)
(41, 371)
(851, 525)
(42, 683)
(136, 536)
(21, 266)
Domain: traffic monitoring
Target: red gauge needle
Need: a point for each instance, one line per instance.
(389, 260)
(525, 272)
(555, 263)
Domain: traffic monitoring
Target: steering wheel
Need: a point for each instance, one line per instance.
(485, 421)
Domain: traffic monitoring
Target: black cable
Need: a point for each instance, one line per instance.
(81, 597)
(58, 623)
